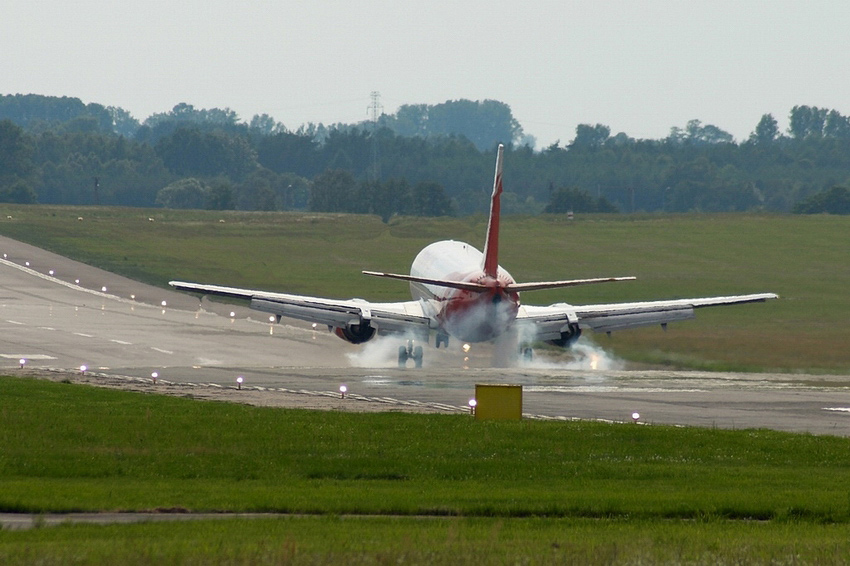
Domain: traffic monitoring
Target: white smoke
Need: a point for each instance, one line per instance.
(583, 355)
(382, 351)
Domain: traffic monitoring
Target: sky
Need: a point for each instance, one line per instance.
(639, 67)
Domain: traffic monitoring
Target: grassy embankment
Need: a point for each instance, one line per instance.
(806, 259)
(447, 489)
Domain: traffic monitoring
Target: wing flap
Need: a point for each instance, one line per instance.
(553, 319)
(387, 317)
(607, 318)
(608, 321)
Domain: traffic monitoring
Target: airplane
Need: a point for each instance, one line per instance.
(460, 292)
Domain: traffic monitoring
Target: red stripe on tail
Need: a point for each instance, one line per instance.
(491, 246)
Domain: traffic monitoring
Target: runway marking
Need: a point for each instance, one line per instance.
(603, 389)
(83, 335)
(15, 322)
(46, 328)
(161, 351)
(66, 284)
(838, 409)
(122, 342)
(26, 357)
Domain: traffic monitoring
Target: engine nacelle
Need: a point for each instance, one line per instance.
(355, 333)
(568, 337)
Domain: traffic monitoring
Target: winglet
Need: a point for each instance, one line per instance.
(491, 246)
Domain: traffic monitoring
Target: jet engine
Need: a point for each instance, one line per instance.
(356, 333)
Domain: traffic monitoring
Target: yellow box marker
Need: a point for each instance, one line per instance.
(498, 402)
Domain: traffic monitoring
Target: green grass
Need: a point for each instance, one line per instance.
(335, 540)
(142, 452)
(803, 258)
(210, 457)
(380, 488)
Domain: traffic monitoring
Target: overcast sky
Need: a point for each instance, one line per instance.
(639, 67)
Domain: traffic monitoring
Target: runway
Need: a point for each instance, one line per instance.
(82, 316)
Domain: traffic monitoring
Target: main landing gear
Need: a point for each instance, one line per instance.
(409, 352)
(442, 338)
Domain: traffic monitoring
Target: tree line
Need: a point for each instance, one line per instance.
(422, 160)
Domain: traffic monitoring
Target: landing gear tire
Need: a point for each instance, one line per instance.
(527, 354)
(410, 352)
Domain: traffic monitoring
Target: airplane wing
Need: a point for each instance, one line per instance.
(384, 317)
(550, 321)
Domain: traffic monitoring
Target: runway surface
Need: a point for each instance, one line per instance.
(124, 333)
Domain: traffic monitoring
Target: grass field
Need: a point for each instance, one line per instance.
(805, 259)
(462, 541)
(390, 488)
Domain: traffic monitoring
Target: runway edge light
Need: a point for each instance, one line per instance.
(498, 402)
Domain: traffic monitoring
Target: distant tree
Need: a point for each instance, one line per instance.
(286, 152)
(483, 122)
(16, 154)
(160, 125)
(265, 125)
(576, 200)
(697, 134)
(293, 192)
(430, 199)
(590, 137)
(837, 126)
(621, 139)
(259, 191)
(81, 125)
(123, 122)
(220, 195)
(389, 198)
(409, 120)
(707, 134)
(807, 122)
(38, 113)
(188, 113)
(767, 130)
(190, 151)
(19, 192)
(833, 201)
(333, 191)
(185, 193)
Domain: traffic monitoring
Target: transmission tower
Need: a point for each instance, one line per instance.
(375, 110)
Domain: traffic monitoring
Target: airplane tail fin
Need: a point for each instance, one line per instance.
(491, 255)
(491, 246)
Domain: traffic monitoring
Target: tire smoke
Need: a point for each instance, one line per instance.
(585, 356)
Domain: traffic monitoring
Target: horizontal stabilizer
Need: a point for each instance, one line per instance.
(512, 287)
(466, 286)
(569, 283)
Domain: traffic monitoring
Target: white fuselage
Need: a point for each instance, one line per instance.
(468, 316)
